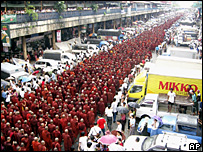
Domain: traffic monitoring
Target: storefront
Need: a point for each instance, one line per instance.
(5, 40)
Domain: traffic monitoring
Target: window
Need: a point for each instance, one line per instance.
(48, 64)
(4, 75)
(66, 57)
(167, 127)
(147, 105)
(136, 89)
(187, 130)
(38, 63)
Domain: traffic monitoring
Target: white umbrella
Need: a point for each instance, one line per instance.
(116, 147)
(10, 78)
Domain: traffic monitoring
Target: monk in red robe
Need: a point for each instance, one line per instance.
(67, 140)
(47, 138)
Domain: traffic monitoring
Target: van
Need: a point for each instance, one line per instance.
(44, 63)
(10, 70)
(83, 48)
(59, 56)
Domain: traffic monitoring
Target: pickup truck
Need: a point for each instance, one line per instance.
(156, 104)
(181, 124)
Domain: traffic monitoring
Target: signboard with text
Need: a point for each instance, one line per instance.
(58, 35)
(5, 35)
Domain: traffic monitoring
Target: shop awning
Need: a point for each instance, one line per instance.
(73, 5)
(36, 5)
(3, 4)
(15, 5)
(64, 46)
(48, 4)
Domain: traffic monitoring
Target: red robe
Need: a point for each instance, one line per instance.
(57, 134)
(57, 145)
(35, 145)
(47, 138)
(74, 125)
(63, 122)
(82, 128)
(67, 141)
(90, 119)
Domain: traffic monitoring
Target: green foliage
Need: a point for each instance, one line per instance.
(60, 7)
(121, 7)
(104, 13)
(30, 10)
(79, 8)
(94, 7)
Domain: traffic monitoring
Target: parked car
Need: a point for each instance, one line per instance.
(182, 124)
(162, 142)
(44, 63)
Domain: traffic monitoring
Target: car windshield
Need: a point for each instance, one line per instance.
(148, 143)
(167, 127)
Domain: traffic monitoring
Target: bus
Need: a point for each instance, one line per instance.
(110, 34)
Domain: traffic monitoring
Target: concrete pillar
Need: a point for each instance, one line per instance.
(114, 24)
(92, 27)
(24, 47)
(121, 22)
(54, 39)
(104, 24)
(79, 32)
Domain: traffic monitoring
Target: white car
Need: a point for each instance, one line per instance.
(148, 106)
(162, 142)
(46, 63)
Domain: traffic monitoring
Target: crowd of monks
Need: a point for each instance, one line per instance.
(60, 110)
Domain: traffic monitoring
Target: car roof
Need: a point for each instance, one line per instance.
(187, 120)
(151, 96)
(168, 119)
(47, 60)
(174, 140)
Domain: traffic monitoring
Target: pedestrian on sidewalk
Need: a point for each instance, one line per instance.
(109, 114)
(132, 124)
(123, 121)
(114, 106)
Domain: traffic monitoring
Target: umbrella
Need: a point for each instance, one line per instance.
(158, 119)
(120, 28)
(26, 79)
(10, 78)
(114, 132)
(122, 109)
(93, 35)
(108, 139)
(104, 43)
(133, 104)
(116, 147)
(35, 72)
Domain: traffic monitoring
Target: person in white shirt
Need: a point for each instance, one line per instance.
(109, 114)
(119, 127)
(82, 142)
(22, 92)
(46, 76)
(171, 99)
(13, 84)
(114, 106)
(132, 124)
(94, 130)
(8, 98)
